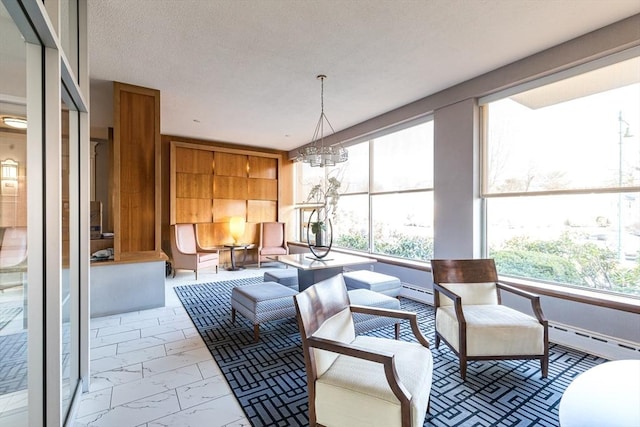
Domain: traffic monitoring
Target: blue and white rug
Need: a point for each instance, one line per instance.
(268, 377)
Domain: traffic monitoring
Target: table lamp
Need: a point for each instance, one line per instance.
(236, 228)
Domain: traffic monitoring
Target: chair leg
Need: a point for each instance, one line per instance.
(397, 330)
(463, 368)
(196, 271)
(437, 340)
(174, 273)
(256, 332)
(233, 315)
(544, 366)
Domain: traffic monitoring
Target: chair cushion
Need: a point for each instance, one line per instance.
(493, 330)
(377, 282)
(207, 256)
(273, 234)
(471, 293)
(273, 250)
(338, 327)
(353, 390)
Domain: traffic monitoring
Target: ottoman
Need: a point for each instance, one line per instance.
(377, 282)
(367, 322)
(262, 302)
(285, 276)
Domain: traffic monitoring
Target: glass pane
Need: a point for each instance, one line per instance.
(13, 226)
(579, 133)
(354, 173)
(584, 240)
(69, 31)
(351, 223)
(403, 224)
(307, 177)
(404, 160)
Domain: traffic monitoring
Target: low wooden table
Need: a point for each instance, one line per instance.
(605, 395)
(312, 270)
(232, 248)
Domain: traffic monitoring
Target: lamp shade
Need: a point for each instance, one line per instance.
(236, 227)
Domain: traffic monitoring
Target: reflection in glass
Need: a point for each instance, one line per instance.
(13, 228)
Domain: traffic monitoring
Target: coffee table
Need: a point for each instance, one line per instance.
(312, 270)
(605, 395)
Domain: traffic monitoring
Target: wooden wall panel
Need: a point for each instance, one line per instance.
(230, 187)
(228, 164)
(263, 189)
(262, 211)
(223, 209)
(197, 186)
(193, 210)
(263, 167)
(194, 161)
(137, 185)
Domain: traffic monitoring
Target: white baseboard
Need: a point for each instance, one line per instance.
(604, 346)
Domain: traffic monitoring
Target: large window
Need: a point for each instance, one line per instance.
(562, 180)
(386, 194)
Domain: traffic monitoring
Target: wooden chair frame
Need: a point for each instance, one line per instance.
(323, 311)
(480, 271)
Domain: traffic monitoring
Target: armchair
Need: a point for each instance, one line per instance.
(359, 380)
(471, 320)
(184, 251)
(272, 240)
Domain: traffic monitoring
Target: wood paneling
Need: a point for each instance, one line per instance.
(227, 164)
(137, 181)
(263, 167)
(230, 187)
(224, 209)
(262, 211)
(194, 161)
(197, 186)
(193, 210)
(214, 234)
(263, 189)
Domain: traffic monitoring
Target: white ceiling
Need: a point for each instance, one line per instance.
(244, 71)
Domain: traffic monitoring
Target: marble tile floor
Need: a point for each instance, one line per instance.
(151, 368)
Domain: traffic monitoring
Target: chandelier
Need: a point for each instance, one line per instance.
(318, 154)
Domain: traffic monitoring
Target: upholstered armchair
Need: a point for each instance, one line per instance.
(472, 321)
(184, 251)
(273, 240)
(359, 380)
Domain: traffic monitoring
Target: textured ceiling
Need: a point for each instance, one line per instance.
(245, 71)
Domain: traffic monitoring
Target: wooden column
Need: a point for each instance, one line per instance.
(136, 173)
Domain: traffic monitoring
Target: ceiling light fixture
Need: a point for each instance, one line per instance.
(15, 122)
(317, 154)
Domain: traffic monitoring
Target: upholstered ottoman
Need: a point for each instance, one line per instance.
(262, 302)
(367, 322)
(377, 282)
(285, 276)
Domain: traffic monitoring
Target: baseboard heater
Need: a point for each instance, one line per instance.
(590, 342)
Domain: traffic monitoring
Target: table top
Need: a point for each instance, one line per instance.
(607, 394)
(307, 261)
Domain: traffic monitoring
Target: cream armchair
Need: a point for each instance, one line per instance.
(184, 251)
(273, 240)
(471, 320)
(359, 381)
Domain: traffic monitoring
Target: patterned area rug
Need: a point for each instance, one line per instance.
(268, 377)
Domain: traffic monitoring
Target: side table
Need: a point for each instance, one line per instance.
(232, 248)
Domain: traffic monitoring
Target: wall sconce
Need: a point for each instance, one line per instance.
(9, 177)
(236, 228)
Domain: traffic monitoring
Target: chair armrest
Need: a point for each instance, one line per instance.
(397, 314)
(457, 303)
(535, 300)
(384, 358)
